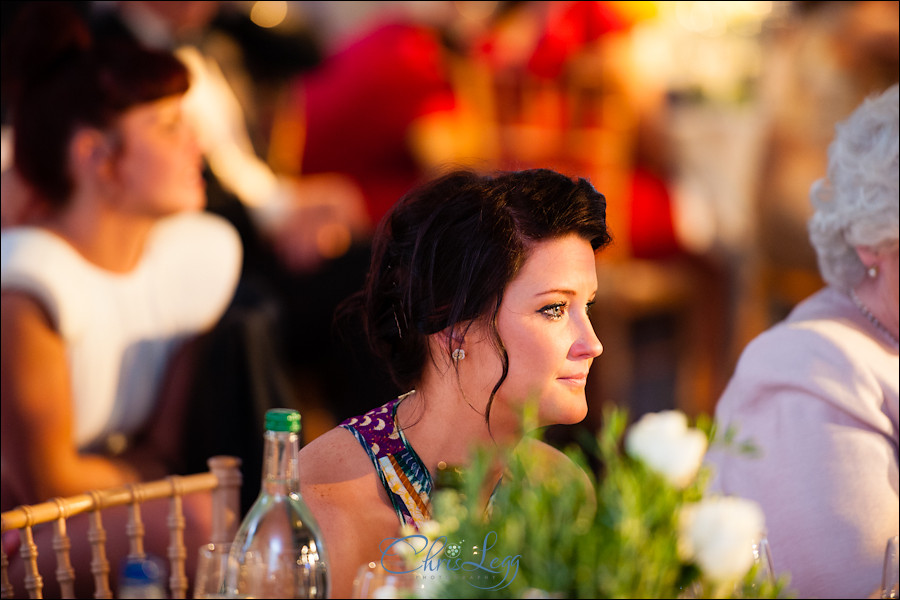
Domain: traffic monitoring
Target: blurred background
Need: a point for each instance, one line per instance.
(703, 123)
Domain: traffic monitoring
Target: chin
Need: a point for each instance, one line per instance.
(569, 413)
(195, 204)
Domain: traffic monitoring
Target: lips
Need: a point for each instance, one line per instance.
(575, 379)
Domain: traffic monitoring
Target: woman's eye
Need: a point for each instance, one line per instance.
(588, 307)
(554, 311)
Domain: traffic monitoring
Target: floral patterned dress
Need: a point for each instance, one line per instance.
(405, 478)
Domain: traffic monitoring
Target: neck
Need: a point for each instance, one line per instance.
(107, 239)
(872, 303)
(443, 427)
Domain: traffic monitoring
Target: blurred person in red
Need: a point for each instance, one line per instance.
(388, 105)
(379, 109)
(357, 110)
(113, 272)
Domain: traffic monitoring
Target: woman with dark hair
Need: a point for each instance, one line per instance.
(477, 299)
(113, 270)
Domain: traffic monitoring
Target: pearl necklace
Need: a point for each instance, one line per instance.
(873, 319)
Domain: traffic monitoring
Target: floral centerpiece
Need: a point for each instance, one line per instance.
(644, 528)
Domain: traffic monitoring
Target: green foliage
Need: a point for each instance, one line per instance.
(562, 539)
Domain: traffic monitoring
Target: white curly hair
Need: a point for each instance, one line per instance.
(856, 204)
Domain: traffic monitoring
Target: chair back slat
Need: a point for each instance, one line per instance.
(135, 527)
(65, 574)
(6, 588)
(176, 551)
(223, 481)
(97, 539)
(34, 583)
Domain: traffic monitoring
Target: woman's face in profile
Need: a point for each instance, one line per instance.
(545, 327)
(159, 165)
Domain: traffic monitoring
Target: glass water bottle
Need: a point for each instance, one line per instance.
(278, 550)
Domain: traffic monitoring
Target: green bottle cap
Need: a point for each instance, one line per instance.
(283, 419)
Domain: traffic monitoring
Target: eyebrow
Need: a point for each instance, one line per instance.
(564, 291)
(557, 291)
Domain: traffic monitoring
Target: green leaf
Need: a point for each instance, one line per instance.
(618, 540)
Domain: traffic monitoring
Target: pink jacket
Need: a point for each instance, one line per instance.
(818, 395)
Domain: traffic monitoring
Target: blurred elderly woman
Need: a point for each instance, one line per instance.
(818, 392)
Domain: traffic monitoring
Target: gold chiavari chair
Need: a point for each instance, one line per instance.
(223, 480)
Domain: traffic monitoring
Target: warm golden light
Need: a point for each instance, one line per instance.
(268, 14)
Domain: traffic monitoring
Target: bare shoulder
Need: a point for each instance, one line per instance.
(334, 456)
(35, 382)
(336, 474)
(341, 487)
(18, 306)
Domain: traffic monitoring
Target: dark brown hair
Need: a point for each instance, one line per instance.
(445, 253)
(57, 78)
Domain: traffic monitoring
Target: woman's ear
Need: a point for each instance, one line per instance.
(91, 155)
(452, 340)
(454, 336)
(871, 256)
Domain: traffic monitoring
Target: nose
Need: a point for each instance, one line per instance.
(587, 344)
(191, 142)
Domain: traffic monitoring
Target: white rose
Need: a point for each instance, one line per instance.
(665, 443)
(718, 533)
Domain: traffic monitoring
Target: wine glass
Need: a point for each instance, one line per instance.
(374, 581)
(221, 575)
(212, 564)
(764, 573)
(889, 577)
(762, 556)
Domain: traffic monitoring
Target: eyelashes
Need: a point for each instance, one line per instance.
(558, 310)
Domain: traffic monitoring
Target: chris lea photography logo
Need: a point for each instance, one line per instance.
(435, 560)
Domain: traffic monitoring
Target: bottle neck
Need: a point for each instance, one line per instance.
(280, 469)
